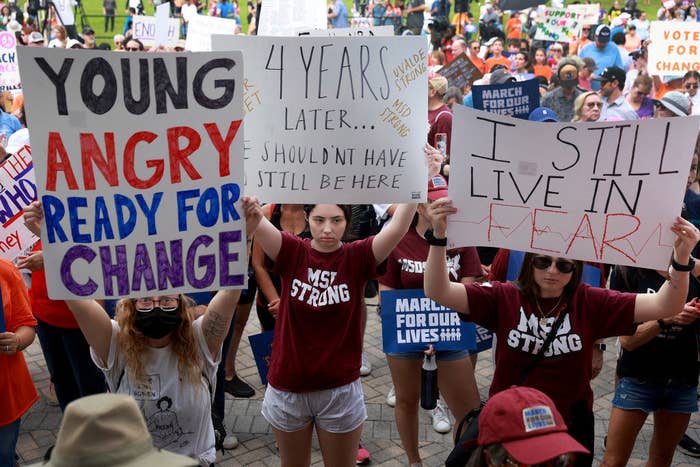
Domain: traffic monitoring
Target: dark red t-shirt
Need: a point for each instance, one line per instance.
(440, 121)
(564, 373)
(318, 334)
(406, 263)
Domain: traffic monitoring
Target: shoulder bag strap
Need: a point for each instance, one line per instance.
(540, 355)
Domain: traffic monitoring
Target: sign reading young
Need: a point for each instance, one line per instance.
(338, 119)
(141, 187)
(606, 192)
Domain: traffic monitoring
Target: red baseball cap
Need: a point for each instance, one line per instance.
(437, 187)
(527, 424)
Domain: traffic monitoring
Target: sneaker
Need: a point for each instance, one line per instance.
(230, 442)
(363, 457)
(441, 420)
(238, 388)
(366, 367)
(689, 446)
(391, 397)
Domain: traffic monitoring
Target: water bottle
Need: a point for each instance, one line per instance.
(429, 383)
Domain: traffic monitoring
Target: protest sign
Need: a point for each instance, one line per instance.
(558, 24)
(64, 9)
(162, 27)
(261, 346)
(9, 71)
(460, 72)
(484, 339)
(411, 322)
(285, 17)
(590, 12)
(17, 190)
(606, 192)
(674, 48)
(351, 32)
(145, 30)
(200, 28)
(339, 119)
(516, 99)
(140, 193)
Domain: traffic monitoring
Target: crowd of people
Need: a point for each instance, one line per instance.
(189, 342)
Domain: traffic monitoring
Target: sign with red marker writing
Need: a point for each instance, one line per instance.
(606, 192)
(17, 190)
(558, 24)
(139, 166)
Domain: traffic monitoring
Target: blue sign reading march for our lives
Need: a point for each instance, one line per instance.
(411, 322)
(516, 99)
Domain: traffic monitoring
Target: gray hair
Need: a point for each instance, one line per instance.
(452, 92)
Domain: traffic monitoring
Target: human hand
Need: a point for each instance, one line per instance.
(274, 307)
(33, 215)
(687, 237)
(9, 343)
(438, 211)
(434, 160)
(33, 262)
(253, 213)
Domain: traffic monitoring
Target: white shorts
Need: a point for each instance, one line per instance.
(337, 410)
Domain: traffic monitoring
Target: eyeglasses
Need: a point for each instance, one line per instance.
(691, 85)
(590, 105)
(544, 262)
(166, 303)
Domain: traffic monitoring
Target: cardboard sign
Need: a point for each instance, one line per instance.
(261, 346)
(370, 31)
(340, 119)
(674, 48)
(145, 30)
(590, 12)
(516, 99)
(140, 192)
(17, 191)
(558, 24)
(285, 17)
(606, 192)
(9, 70)
(411, 322)
(200, 28)
(460, 72)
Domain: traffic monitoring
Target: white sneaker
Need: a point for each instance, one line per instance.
(230, 442)
(391, 397)
(366, 367)
(441, 418)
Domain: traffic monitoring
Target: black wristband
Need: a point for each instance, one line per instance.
(430, 238)
(682, 267)
(601, 347)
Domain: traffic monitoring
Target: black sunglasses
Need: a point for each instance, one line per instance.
(544, 262)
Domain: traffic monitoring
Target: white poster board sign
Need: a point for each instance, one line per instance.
(558, 24)
(674, 48)
(590, 12)
(285, 17)
(9, 70)
(338, 119)
(370, 31)
(17, 190)
(144, 198)
(200, 28)
(64, 8)
(145, 30)
(162, 24)
(606, 192)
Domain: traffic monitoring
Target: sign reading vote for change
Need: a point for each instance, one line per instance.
(140, 187)
(674, 48)
(559, 25)
(606, 192)
(411, 322)
(338, 119)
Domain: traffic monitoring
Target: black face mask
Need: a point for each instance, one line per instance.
(157, 323)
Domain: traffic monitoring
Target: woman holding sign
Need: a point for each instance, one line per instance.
(156, 352)
(405, 270)
(314, 377)
(548, 296)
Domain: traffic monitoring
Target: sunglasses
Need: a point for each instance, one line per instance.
(594, 104)
(544, 262)
(133, 49)
(691, 86)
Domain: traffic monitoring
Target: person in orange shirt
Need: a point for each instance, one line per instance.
(497, 58)
(514, 26)
(473, 54)
(17, 391)
(583, 40)
(541, 66)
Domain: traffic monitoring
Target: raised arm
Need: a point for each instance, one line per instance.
(266, 234)
(217, 319)
(95, 324)
(436, 279)
(671, 297)
(262, 277)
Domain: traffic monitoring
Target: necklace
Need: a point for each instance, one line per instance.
(543, 316)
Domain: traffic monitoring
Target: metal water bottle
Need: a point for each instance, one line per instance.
(429, 383)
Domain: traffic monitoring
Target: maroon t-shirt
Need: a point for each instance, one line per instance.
(318, 334)
(440, 121)
(565, 371)
(406, 263)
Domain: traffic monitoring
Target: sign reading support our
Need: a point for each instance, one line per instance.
(17, 190)
(561, 25)
(411, 322)
(606, 192)
(674, 48)
(516, 99)
(337, 118)
(9, 71)
(140, 192)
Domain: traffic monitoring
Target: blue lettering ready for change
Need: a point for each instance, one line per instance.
(411, 322)
(516, 99)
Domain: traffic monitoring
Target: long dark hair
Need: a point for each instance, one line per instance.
(528, 287)
(347, 212)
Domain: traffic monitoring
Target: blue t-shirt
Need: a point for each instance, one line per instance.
(8, 124)
(226, 10)
(340, 21)
(609, 56)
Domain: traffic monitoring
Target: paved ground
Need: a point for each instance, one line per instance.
(257, 447)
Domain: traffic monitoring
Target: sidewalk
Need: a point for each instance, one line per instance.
(257, 447)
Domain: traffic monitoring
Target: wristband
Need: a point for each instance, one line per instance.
(663, 325)
(682, 267)
(430, 238)
(601, 347)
